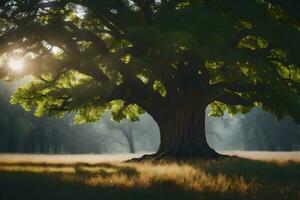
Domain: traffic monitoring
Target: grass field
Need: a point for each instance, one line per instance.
(231, 178)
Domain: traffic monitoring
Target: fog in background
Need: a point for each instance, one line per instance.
(257, 130)
(21, 132)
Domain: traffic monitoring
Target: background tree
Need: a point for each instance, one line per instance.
(169, 58)
(125, 127)
(254, 131)
(263, 132)
(21, 132)
(128, 129)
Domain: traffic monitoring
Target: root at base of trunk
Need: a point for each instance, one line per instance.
(164, 157)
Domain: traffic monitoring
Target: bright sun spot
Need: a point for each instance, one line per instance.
(16, 64)
(56, 50)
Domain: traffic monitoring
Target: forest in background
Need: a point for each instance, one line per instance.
(22, 132)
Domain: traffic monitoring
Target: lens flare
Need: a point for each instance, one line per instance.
(16, 65)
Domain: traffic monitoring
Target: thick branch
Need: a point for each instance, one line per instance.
(145, 6)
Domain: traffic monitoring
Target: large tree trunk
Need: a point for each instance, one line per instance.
(182, 131)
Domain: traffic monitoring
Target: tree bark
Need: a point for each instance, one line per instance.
(182, 132)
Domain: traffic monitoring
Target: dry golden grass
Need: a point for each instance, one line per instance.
(144, 175)
(228, 178)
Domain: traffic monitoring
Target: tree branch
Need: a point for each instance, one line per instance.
(145, 6)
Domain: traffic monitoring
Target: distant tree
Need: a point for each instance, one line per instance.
(127, 129)
(256, 130)
(263, 132)
(22, 132)
(170, 58)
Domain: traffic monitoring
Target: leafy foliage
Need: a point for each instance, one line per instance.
(129, 56)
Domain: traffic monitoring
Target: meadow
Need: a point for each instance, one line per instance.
(230, 178)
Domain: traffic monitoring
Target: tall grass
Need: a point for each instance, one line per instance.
(224, 179)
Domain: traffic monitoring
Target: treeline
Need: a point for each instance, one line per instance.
(22, 132)
(257, 130)
(264, 132)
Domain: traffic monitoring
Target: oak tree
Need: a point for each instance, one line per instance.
(170, 58)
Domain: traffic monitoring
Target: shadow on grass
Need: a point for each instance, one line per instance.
(261, 171)
(29, 186)
(272, 181)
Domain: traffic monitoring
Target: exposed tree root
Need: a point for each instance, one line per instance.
(163, 157)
